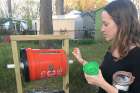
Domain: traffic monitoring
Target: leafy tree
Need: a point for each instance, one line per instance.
(100, 3)
(84, 5)
(27, 9)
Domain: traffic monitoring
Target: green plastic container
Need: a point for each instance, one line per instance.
(91, 68)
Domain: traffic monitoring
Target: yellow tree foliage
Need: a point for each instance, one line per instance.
(100, 3)
(87, 5)
(84, 5)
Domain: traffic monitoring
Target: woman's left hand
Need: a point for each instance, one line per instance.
(95, 80)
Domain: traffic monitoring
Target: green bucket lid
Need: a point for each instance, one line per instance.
(91, 68)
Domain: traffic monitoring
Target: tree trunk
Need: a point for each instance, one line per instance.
(59, 7)
(9, 8)
(46, 26)
(46, 17)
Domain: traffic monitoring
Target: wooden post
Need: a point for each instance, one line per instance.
(17, 66)
(66, 78)
(15, 38)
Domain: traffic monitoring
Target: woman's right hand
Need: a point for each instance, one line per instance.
(77, 54)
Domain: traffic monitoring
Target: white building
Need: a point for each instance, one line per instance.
(75, 24)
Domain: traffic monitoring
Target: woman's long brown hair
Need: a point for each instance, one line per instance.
(124, 14)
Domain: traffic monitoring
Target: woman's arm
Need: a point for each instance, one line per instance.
(108, 88)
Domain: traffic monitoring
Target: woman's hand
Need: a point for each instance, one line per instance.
(77, 54)
(98, 81)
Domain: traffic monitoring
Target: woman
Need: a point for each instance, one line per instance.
(121, 27)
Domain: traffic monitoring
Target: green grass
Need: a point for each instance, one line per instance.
(98, 35)
(94, 51)
(7, 78)
(98, 19)
(91, 51)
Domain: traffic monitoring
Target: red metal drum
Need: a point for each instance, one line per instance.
(43, 63)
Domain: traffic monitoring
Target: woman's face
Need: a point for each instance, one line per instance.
(109, 27)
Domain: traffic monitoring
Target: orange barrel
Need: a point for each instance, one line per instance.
(43, 63)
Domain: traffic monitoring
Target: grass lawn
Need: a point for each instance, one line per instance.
(98, 35)
(91, 50)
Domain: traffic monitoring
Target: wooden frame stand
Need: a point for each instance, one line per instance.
(15, 38)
